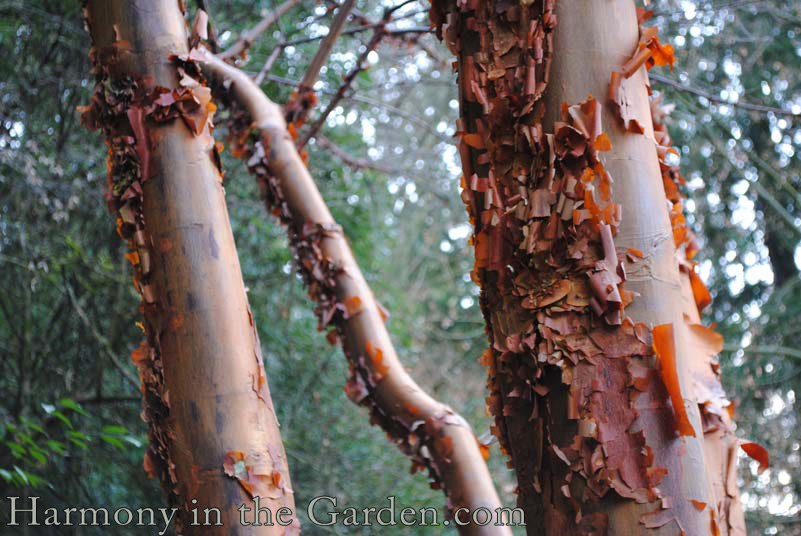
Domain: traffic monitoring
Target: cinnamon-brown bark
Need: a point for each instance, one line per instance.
(214, 438)
(602, 381)
(429, 432)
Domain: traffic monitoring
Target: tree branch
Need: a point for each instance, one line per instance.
(356, 97)
(265, 70)
(361, 64)
(378, 380)
(303, 99)
(247, 38)
(313, 71)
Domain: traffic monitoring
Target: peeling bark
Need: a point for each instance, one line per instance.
(603, 383)
(204, 388)
(427, 431)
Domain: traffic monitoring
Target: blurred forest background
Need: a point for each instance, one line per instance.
(387, 165)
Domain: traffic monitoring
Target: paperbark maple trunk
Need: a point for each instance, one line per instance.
(608, 403)
(214, 437)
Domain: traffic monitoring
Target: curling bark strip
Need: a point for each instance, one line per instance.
(427, 431)
(213, 433)
(611, 430)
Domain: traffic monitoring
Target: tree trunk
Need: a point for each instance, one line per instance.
(608, 402)
(214, 438)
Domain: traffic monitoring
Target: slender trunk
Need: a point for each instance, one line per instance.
(214, 438)
(608, 401)
(429, 432)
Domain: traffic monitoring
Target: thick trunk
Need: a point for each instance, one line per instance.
(612, 427)
(214, 438)
(429, 432)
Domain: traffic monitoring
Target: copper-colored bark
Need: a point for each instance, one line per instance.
(569, 197)
(204, 389)
(432, 434)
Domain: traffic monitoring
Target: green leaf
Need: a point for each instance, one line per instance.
(115, 430)
(63, 418)
(73, 405)
(38, 455)
(56, 446)
(35, 480)
(22, 475)
(79, 443)
(17, 449)
(112, 441)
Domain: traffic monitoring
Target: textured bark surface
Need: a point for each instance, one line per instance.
(427, 431)
(603, 383)
(214, 436)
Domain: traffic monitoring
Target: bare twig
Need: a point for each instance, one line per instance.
(365, 26)
(265, 70)
(313, 71)
(361, 64)
(712, 98)
(297, 108)
(104, 343)
(356, 97)
(247, 38)
(783, 351)
(349, 160)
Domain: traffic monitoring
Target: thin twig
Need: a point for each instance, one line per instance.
(712, 98)
(265, 70)
(361, 64)
(127, 374)
(366, 26)
(356, 97)
(766, 350)
(247, 38)
(334, 31)
(349, 160)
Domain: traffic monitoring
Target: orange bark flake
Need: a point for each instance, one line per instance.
(700, 292)
(133, 257)
(757, 453)
(376, 356)
(635, 252)
(353, 305)
(474, 140)
(256, 481)
(699, 505)
(485, 451)
(140, 354)
(665, 348)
